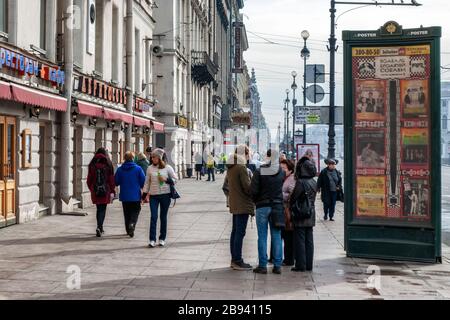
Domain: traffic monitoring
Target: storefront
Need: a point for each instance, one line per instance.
(30, 101)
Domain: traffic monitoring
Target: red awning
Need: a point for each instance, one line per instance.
(38, 98)
(5, 91)
(157, 126)
(89, 109)
(141, 122)
(118, 115)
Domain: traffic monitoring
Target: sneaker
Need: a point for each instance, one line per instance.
(325, 218)
(99, 233)
(162, 243)
(260, 270)
(242, 266)
(276, 270)
(152, 244)
(332, 219)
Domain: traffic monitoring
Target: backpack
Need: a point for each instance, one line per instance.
(100, 183)
(302, 208)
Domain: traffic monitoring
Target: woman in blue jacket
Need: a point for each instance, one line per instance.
(131, 179)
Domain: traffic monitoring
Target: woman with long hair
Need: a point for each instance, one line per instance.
(100, 181)
(157, 189)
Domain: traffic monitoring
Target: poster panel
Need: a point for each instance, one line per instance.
(416, 198)
(371, 148)
(415, 147)
(415, 98)
(370, 100)
(371, 196)
(303, 149)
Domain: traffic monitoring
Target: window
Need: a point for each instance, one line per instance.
(444, 103)
(43, 24)
(115, 44)
(99, 37)
(4, 16)
(444, 123)
(137, 62)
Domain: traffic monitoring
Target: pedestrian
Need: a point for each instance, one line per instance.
(223, 162)
(211, 166)
(198, 165)
(160, 176)
(130, 178)
(305, 185)
(148, 153)
(100, 181)
(287, 233)
(267, 193)
(142, 161)
(329, 184)
(237, 189)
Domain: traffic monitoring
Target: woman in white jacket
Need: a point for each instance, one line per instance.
(157, 189)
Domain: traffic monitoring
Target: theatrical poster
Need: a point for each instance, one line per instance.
(371, 196)
(304, 149)
(391, 97)
(370, 100)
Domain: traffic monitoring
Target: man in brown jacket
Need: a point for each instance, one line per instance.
(237, 189)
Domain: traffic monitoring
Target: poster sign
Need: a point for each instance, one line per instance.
(238, 50)
(392, 119)
(314, 149)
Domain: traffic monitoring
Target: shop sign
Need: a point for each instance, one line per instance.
(142, 105)
(25, 65)
(182, 122)
(100, 89)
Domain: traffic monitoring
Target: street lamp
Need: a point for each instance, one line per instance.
(294, 87)
(286, 120)
(305, 55)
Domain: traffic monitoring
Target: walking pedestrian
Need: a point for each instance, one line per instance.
(160, 176)
(211, 166)
(142, 161)
(329, 184)
(198, 165)
(287, 233)
(130, 178)
(222, 163)
(100, 181)
(266, 189)
(305, 185)
(148, 153)
(237, 189)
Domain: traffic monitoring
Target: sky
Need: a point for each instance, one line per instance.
(282, 21)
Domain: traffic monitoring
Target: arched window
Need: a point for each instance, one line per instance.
(444, 123)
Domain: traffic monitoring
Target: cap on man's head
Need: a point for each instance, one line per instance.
(331, 161)
(149, 150)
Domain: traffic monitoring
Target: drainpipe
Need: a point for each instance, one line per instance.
(130, 68)
(65, 151)
(188, 82)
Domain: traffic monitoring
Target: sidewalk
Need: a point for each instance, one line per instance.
(34, 259)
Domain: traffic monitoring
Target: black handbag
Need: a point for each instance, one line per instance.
(340, 196)
(174, 195)
(302, 208)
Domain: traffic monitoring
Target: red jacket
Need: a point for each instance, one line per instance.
(101, 163)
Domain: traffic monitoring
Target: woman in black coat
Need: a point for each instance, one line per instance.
(330, 185)
(305, 173)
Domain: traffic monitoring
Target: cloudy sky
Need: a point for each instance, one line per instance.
(274, 28)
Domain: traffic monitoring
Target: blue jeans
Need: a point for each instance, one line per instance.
(238, 232)
(162, 201)
(330, 208)
(262, 223)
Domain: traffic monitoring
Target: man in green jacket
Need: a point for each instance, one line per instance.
(237, 189)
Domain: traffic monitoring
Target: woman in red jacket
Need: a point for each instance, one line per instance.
(100, 181)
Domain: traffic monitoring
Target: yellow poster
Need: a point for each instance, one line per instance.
(391, 51)
(371, 196)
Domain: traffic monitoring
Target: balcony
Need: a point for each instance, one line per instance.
(203, 68)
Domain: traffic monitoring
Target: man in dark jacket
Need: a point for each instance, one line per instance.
(329, 184)
(266, 190)
(237, 189)
(131, 179)
(305, 173)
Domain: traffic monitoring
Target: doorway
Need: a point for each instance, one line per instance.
(8, 149)
(42, 162)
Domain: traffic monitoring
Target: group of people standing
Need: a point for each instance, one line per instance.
(140, 181)
(270, 193)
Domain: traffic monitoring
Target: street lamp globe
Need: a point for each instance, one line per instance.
(305, 35)
(288, 91)
(294, 86)
(294, 74)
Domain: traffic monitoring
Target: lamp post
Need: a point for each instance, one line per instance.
(286, 120)
(305, 55)
(294, 87)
